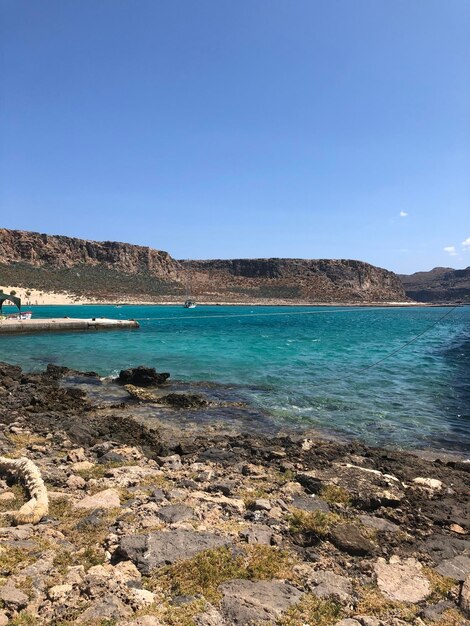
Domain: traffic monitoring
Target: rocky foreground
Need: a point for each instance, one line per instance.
(150, 528)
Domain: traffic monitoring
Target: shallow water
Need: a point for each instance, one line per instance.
(304, 366)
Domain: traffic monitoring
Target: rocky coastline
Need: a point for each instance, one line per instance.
(158, 522)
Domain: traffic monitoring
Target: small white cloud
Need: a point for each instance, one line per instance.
(466, 243)
(403, 214)
(451, 250)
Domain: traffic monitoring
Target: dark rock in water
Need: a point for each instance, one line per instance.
(184, 400)
(310, 504)
(142, 377)
(164, 548)
(348, 538)
(247, 602)
(56, 371)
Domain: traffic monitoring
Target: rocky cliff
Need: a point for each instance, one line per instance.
(113, 270)
(325, 280)
(441, 284)
(39, 250)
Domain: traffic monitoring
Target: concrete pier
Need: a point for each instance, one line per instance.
(64, 324)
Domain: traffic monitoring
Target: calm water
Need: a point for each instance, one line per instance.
(305, 368)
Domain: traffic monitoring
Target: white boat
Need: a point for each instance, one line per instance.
(189, 303)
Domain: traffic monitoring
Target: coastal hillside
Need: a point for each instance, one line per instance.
(441, 284)
(112, 270)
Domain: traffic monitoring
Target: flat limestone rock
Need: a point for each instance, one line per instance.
(378, 523)
(402, 581)
(309, 504)
(164, 548)
(457, 568)
(107, 499)
(245, 602)
(324, 584)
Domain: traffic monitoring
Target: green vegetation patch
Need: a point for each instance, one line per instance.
(206, 571)
(312, 611)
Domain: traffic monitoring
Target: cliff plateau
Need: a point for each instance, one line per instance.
(114, 271)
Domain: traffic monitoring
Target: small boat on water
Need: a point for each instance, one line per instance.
(23, 315)
(189, 303)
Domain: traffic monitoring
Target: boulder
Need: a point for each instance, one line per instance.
(164, 548)
(348, 538)
(13, 598)
(175, 513)
(107, 499)
(245, 602)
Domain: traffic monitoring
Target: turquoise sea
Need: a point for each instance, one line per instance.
(303, 366)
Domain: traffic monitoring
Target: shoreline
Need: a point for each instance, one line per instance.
(50, 298)
(246, 527)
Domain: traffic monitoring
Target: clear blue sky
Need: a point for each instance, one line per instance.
(241, 128)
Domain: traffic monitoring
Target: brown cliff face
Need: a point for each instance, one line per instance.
(57, 251)
(111, 270)
(441, 284)
(324, 280)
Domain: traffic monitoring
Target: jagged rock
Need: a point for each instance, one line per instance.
(3, 618)
(163, 548)
(464, 601)
(175, 513)
(172, 462)
(142, 377)
(430, 483)
(457, 568)
(76, 482)
(402, 581)
(107, 499)
(59, 593)
(245, 602)
(13, 598)
(108, 608)
(348, 538)
(324, 584)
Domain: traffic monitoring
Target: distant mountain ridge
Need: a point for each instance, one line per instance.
(441, 284)
(113, 271)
